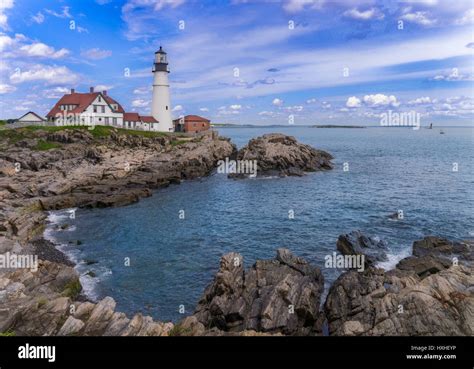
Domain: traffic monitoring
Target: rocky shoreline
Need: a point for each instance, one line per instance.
(429, 293)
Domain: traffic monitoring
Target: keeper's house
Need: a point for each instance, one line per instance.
(97, 108)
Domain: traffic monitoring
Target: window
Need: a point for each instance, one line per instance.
(166, 107)
(106, 120)
(114, 120)
(95, 108)
(100, 100)
(103, 109)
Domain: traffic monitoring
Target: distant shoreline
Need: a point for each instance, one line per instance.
(335, 126)
(231, 125)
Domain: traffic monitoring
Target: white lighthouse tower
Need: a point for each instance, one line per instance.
(161, 106)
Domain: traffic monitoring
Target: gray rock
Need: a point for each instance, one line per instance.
(356, 243)
(71, 327)
(276, 296)
(278, 154)
(424, 295)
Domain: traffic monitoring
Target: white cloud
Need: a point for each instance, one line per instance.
(96, 53)
(4, 88)
(380, 100)
(155, 4)
(467, 18)
(140, 103)
(372, 13)
(38, 18)
(296, 108)
(56, 93)
(64, 13)
(18, 47)
(177, 108)
(353, 102)
(421, 18)
(143, 90)
(277, 102)
(295, 6)
(454, 75)
(49, 74)
(204, 109)
(4, 5)
(311, 101)
(235, 107)
(103, 87)
(41, 50)
(135, 13)
(223, 110)
(5, 41)
(266, 113)
(420, 101)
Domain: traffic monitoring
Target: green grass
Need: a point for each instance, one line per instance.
(179, 330)
(97, 131)
(42, 301)
(8, 333)
(3, 122)
(72, 289)
(178, 142)
(46, 145)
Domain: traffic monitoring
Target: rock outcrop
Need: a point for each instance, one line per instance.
(281, 155)
(273, 296)
(44, 302)
(356, 243)
(42, 170)
(426, 294)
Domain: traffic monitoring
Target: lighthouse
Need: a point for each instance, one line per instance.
(161, 107)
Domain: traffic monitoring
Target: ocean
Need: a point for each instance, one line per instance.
(152, 261)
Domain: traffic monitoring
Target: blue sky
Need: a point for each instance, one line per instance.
(256, 62)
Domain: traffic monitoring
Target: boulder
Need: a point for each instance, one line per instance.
(276, 296)
(282, 155)
(423, 295)
(356, 243)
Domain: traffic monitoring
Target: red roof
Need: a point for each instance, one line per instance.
(148, 119)
(193, 118)
(131, 117)
(83, 100)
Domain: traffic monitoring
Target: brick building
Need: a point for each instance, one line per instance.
(191, 123)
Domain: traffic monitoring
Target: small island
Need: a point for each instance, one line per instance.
(335, 126)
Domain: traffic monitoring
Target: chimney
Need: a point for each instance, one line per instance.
(104, 92)
(91, 90)
(73, 90)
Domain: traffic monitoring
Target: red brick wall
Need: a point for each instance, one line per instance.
(196, 126)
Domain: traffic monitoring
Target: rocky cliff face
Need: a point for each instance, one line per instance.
(282, 155)
(429, 293)
(274, 296)
(41, 170)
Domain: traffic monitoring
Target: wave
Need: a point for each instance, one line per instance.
(393, 259)
(89, 284)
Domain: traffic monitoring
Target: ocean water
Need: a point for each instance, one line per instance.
(172, 260)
